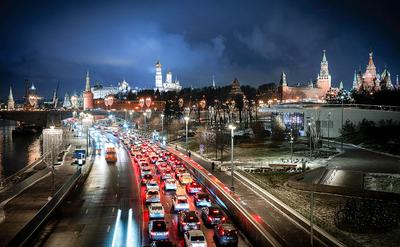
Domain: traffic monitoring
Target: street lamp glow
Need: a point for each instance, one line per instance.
(187, 129)
(232, 128)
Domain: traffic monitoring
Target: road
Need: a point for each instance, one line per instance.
(358, 159)
(90, 217)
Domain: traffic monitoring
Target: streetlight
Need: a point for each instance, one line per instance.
(342, 97)
(232, 128)
(144, 117)
(329, 121)
(291, 145)
(187, 122)
(309, 131)
(162, 124)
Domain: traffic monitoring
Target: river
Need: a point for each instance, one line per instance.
(16, 151)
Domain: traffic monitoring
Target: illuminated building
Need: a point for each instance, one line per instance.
(370, 80)
(310, 92)
(169, 84)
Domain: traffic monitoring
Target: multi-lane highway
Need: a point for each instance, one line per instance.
(110, 209)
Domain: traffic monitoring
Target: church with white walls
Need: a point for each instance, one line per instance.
(169, 84)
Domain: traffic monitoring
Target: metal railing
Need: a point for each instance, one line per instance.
(30, 229)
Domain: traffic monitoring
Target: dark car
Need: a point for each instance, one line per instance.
(225, 234)
(212, 216)
(188, 220)
(146, 178)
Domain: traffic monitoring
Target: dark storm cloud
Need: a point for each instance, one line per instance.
(47, 42)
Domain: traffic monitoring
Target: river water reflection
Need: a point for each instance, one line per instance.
(16, 151)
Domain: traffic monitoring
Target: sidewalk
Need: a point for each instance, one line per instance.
(290, 232)
(20, 206)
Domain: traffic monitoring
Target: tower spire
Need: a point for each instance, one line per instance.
(324, 56)
(10, 102)
(213, 82)
(87, 88)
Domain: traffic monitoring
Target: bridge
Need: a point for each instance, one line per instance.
(45, 118)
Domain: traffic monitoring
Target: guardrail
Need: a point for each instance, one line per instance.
(255, 231)
(30, 229)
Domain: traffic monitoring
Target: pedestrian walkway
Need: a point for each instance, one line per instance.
(19, 204)
(290, 232)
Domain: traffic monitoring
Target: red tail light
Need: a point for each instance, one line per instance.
(223, 219)
(198, 222)
(183, 223)
(209, 218)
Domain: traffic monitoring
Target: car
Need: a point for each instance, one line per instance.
(226, 234)
(212, 216)
(185, 178)
(188, 220)
(145, 170)
(146, 178)
(152, 196)
(156, 210)
(161, 243)
(180, 202)
(158, 230)
(170, 184)
(177, 165)
(162, 166)
(167, 174)
(193, 188)
(194, 238)
(202, 200)
(180, 171)
(152, 184)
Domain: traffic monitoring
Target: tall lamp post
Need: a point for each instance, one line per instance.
(187, 123)
(329, 122)
(341, 144)
(232, 128)
(145, 124)
(309, 131)
(162, 124)
(291, 145)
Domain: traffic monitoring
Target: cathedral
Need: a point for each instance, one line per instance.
(168, 84)
(370, 80)
(310, 92)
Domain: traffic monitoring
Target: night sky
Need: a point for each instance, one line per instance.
(52, 41)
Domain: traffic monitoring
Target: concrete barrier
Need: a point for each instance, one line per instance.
(249, 223)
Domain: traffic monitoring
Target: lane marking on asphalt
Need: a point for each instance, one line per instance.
(113, 209)
(116, 195)
(87, 210)
(108, 228)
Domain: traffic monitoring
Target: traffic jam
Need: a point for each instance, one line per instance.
(178, 211)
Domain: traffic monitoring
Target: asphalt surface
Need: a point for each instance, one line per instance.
(89, 217)
(357, 159)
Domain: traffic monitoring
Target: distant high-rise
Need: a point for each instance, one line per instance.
(10, 102)
(87, 95)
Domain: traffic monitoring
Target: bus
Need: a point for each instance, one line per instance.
(111, 155)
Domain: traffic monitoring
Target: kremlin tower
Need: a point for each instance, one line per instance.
(10, 102)
(87, 95)
(324, 78)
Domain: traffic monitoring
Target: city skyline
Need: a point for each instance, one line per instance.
(129, 37)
